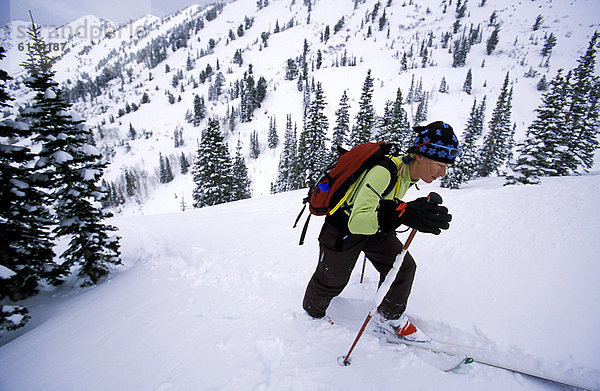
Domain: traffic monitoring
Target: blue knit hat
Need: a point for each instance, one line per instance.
(436, 141)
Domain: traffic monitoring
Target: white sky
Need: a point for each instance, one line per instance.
(59, 12)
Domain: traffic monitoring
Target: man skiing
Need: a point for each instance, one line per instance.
(368, 222)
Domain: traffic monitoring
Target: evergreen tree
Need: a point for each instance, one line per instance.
(549, 45)
(540, 152)
(199, 110)
(212, 171)
(166, 173)
(538, 22)
(254, 145)
(237, 57)
(443, 86)
(273, 138)
(492, 41)
(495, 150)
(395, 127)
(184, 165)
(542, 85)
(422, 109)
(70, 167)
(461, 49)
(162, 172)
(582, 117)
(291, 70)
(365, 118)
(466, 165)
(468, 82)
(26, 249)
(342, 124)
(288, 172)
(312, 154)
(241, 182)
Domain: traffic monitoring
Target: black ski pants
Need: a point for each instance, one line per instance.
(338, 254)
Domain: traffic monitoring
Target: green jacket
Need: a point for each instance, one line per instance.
(364, 202)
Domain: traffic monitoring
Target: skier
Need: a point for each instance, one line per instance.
(368, 223)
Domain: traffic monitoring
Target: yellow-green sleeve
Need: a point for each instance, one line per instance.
(363, 218)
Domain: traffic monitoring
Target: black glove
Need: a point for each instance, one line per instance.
(420, 214)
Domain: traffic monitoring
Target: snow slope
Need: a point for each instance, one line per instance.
(210, 299)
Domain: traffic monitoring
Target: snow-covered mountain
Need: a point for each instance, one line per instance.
(115, 57)
(210, 299)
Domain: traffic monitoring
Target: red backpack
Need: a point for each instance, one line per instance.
(339, 178)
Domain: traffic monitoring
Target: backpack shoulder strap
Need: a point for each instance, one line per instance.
(388, 163)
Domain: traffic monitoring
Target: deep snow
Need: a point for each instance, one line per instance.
(210, 299)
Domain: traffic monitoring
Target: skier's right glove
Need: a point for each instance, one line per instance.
(420, 214)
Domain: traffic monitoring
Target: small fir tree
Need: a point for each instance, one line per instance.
(312, 154)
(497, 142)
(467, 86)
(241, 182)
(341, 129)
(466, 165)
(288, 172)
(273, 138)
(365, 118)
(212, 171)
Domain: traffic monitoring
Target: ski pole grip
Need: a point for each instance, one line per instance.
(434, 198)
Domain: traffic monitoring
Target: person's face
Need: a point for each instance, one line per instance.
(427, 170)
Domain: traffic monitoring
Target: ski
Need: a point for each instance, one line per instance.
(459, 355)
(446, 348)
(453, 360)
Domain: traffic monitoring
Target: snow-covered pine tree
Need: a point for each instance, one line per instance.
(582, 123)
(162, 171)
(342, 124)
(212, 170)
(443, 86)
(497, 141)
(184, 165)
(467, 86)
(312, 153)
(493, 40)
(365, 118)
(168, 171)
(287, 172)
(395, 127)
(199, 110)
(466, 165)
(549, 44)
(410, 98)
(26, 253)
(70, 167)
(241, 182)
(247, 98)
(540, 152)
(422, 109)
(254, 145)
(272, 138)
